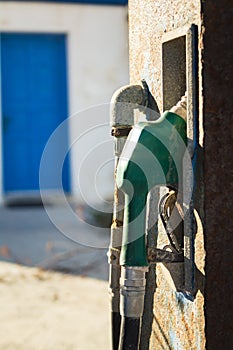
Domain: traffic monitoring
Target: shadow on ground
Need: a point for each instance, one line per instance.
(28, 237)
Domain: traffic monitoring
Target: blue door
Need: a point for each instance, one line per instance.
(34, 103)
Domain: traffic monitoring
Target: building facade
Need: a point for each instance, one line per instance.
(58, 58)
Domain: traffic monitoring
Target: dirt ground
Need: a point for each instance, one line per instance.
(43, 310)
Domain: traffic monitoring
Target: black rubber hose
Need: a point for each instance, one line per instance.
(130, 333)
(116, 329)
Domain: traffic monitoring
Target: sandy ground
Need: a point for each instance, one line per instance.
(41, 307)
(42, 310)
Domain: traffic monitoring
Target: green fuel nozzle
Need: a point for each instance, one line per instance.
(153, 155)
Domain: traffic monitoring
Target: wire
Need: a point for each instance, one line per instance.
(130, 333)
(116, 327)
(166, 204)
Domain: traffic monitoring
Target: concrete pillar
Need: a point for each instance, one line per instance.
(218, 171)
(203, 320)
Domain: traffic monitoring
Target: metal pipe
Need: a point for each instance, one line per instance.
(123, 104)
(133, 285)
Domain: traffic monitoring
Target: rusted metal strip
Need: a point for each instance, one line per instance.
(121, 131)
(156, 255)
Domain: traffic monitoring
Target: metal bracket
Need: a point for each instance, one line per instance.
(113, 256)
(120, 131)
(156, 255)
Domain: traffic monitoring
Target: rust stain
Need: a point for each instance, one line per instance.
(116, 223)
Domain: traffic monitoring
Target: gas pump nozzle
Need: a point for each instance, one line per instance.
(152, 155)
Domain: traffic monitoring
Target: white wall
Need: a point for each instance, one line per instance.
(97, 64)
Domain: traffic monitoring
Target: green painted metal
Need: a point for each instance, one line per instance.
(153, 155)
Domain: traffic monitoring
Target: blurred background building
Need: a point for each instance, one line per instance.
(59, 58)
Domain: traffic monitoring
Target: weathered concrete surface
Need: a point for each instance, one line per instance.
(217, 59)
(178, 322)
(148, 21)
